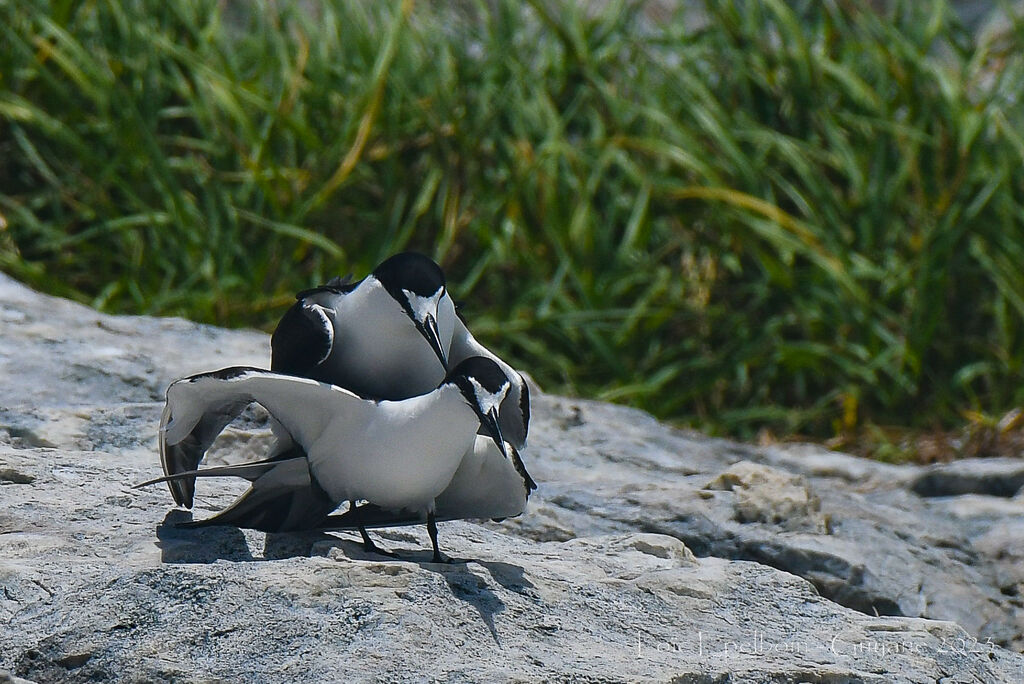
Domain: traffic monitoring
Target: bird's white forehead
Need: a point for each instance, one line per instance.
(488, 400)
(423, 306)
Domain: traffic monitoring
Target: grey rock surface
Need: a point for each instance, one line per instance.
(647, 554)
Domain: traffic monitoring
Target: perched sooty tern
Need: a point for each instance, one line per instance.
(309, 341)
(368, 337)
(385, 337)
(398, 455)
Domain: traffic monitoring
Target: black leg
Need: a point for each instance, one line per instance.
(432, 531)
(368, 544)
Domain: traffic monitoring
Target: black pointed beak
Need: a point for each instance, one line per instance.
(490, 423)
(429, 330)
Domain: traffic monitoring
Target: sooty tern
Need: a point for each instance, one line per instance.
(398, 455)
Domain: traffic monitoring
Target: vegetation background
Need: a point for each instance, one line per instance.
(775, 217)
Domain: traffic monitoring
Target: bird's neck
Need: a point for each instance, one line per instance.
(444, 404)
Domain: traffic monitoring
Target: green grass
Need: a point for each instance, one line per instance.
(799, 216)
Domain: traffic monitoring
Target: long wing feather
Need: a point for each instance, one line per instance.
(302, 340)
(286, 498)
(249, 471)
(199, 407)
(186, 454)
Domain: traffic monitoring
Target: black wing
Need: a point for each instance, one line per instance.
(284, 495)
(302, 340)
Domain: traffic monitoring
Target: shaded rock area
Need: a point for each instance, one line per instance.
(648, 553)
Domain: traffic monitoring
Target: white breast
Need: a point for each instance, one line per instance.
(403, 457)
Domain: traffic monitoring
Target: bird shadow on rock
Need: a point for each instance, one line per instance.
(199, 545)
(304, 544)
(225, 542)
(508, 575)
(473, 589)
(221, 542)
(469, 587)
(465, 585)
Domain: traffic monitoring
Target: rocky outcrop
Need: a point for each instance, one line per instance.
(647, 553)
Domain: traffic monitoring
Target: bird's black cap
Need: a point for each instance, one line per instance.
(485, 371)
(410, 271)
(477, 377)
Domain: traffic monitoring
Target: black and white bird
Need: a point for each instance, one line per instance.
(368, 337)
(401, 456)
(384, 337)
(389, 336)
(325, 336)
